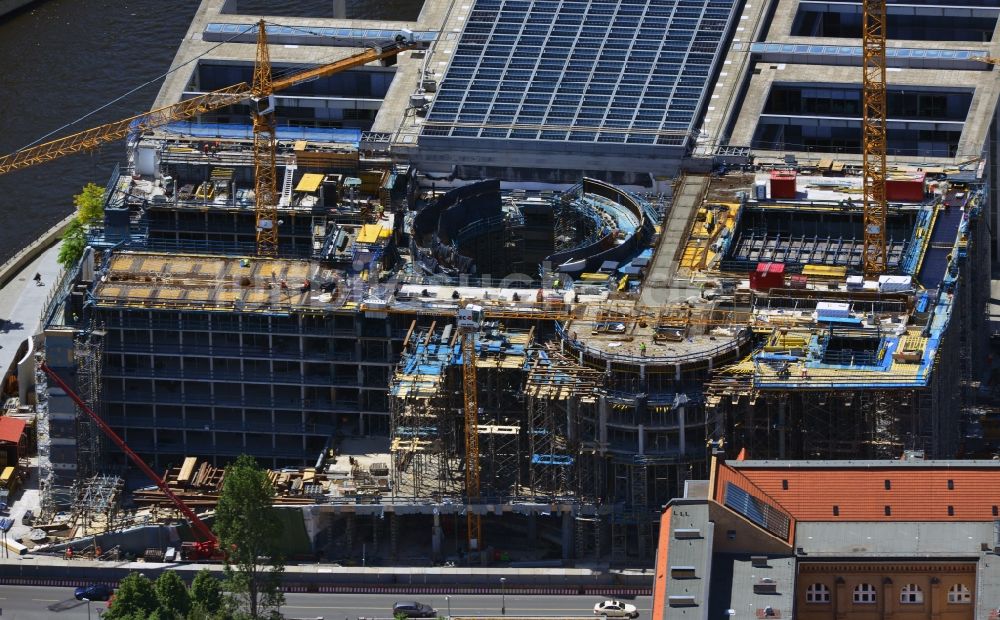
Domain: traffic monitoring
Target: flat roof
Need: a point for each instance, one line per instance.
(586, 72)
(215, 283)
(909, 539)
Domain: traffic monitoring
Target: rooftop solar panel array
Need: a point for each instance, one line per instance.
(599, 71)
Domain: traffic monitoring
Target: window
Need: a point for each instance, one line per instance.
(951, 511)
(951, 485)
(888, 511)
(958, 593)
(888, 485)
(864, 594)
(836, 511)
(817, 593)
(911, 594)
(784, 485)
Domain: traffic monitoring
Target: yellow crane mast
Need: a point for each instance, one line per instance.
(873, 134)
(474, 524)
(264, 150)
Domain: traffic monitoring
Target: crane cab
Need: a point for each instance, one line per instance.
(470, 317)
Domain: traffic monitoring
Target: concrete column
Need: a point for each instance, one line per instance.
(602, 421)
(682, 422)
(642, 440)
(677, 372)
(572, 406)
(567, 535)
(642, 372)
(782, 409)
(393, 535)
(437, 535)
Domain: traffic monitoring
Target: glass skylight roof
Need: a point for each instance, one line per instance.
(599, 71)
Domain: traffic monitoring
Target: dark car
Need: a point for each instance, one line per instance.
(94, 592)
(413, 609)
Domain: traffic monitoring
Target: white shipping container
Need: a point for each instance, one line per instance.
(837, 309)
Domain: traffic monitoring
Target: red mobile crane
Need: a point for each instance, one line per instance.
(207, 546)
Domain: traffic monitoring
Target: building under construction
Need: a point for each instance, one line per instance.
(629, 328)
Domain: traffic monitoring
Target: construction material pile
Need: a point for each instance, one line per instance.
(199, 484)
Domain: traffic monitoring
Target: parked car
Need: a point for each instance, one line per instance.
(29, 516)
(413, 609)
(94, 592)
(615, 609)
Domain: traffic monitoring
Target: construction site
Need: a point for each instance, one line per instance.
(480, 365)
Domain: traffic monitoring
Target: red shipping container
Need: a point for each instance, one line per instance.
(767, 276)
(782, 184)
(909, 188)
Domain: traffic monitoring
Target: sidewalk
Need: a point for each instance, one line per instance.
(21, 304)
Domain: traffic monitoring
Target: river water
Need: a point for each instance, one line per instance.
(60, 59)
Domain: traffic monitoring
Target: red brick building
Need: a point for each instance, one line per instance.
(838, 540)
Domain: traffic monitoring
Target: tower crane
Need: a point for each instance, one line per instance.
(873, 134)
(261, 95)
(265, 150)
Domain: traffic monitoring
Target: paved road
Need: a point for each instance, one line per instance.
(37, 603)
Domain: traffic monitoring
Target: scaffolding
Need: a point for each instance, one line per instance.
(96, 503)
(422, 427)
(88, 354)
(558, 390)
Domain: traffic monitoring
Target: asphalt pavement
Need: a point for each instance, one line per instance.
(38, 603)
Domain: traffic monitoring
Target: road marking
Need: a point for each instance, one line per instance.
(46, 600)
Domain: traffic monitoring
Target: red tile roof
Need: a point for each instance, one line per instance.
(935, 492)
(11, 429)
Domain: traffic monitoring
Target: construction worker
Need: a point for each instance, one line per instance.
(642, 349)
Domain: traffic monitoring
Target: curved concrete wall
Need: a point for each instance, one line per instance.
(591, 257)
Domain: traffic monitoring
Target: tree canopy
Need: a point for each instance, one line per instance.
(90, 204)
(249, 530)
(206, 593)
(135, 598)
(74, 242)
(172, 594)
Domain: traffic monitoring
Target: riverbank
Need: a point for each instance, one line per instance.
(9, 6)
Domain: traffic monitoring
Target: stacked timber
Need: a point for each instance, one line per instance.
(199, 485)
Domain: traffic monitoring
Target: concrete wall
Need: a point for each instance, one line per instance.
(33, 250)
(42, 569)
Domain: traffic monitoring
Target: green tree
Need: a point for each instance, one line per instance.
(249, 530)
(90, 204)
(135, 598)
(206, 593)
(73, 244)
(172, 595)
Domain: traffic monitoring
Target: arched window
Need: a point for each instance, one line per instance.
(817, 593)
(864, 594)
(958, 593)
(911, 593)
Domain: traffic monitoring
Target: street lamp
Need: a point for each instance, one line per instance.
(448, 600)
(88, 607)
(503, 596)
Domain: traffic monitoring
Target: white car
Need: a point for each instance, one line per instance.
(615, 609)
